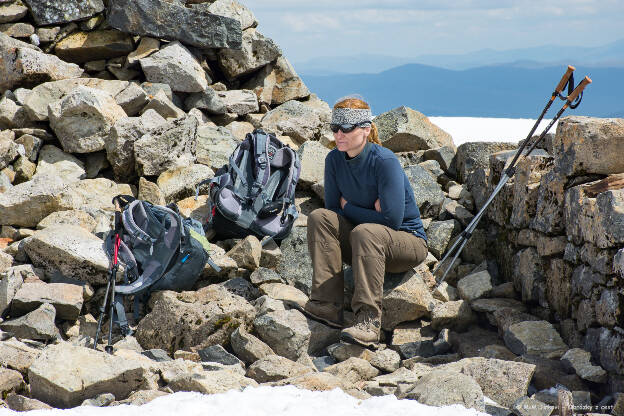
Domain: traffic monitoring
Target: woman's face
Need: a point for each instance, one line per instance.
(352, 142)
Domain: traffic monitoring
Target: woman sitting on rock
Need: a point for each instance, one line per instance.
(370, 221)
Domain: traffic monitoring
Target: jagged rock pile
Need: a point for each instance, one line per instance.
(124, 102)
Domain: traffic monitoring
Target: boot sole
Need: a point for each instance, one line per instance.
(315, 317)
(347, 338)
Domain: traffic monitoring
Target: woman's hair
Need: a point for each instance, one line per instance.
(358, 103)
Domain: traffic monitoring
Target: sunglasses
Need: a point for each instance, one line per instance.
(346, 128)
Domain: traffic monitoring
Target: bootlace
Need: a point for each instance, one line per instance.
(364, 319)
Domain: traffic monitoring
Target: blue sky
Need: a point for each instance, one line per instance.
(307, 29)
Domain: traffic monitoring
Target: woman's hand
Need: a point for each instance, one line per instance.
(377, 205)
(343, 202)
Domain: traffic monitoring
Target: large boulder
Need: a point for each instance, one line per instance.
(584, 145)
(193, 320)
(120, 144)
(502, 381)
(312, 155)
(403, 130)
(295, 119)
(214, 146)
(257, 51)
(443, 388)
(234, 10)
(25, 65)
(37, 102)
(83, 119)
(67, 299)
(409, 300)
(166, 147)
(175, 65)
(427, 192)
(81, 47)
(195, 26)
(208, 100)
(286, 332)
(535, 338)
(63, 11)
(55, 162)
(295, 265)
(92, 372)
(71, 250)
(474, 155)
(180, 182)
(277, 83)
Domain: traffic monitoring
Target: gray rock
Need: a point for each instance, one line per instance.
(132, 99)
(263, 275)
(70, 249)
(43, 95)
(157, 355)
(202, 28)
(321, 363)
(494, 304)
(8, 148)
(37, 325)
(99, 373)
(455, 315)
(248, 347)
(241, 287)
(207, 100)
(214, 146)
(474, 286)
(286, 332)
(285, 293)
(166, 147)
(60, 11)
(353, 371)
(234, 10)
(277, 83)
(473, 155)
(274, 368)
(239, 102)
(10, 382)
(21, 403)
(443, 155)
(83, 119)
(12, 115)
(535, 337)
(526, 406)
(578, 360)
(618, 262)
(295, 119)
(403, 129)
(502, 381)
(25, 65)
(12, 12)
(181, 182)
(410, 299)
(295, 265)
(439, 235)
(386, 360)
(609, 308)
(257, 51)
(453, 209)
(427, 192)
(246, 253)
(217, 354)
(101, 400)
(17, 356)
(163, 106)
(55, 162)
(312, 155)
(82, 47)
(589, 145)
(32, 146)
(193, 319)
(10, 283)
(443, 388)
(120, 144)
(175, 65)
(67, 299)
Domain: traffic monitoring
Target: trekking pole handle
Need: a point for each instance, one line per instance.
(564, 80)
(579, 89)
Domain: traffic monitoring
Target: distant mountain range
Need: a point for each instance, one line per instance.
(510, 90)
(609, 55)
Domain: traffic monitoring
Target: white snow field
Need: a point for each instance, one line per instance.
(477, 129)
(289, 400)
(264, 401)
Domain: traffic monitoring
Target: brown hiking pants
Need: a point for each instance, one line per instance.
(370, 249)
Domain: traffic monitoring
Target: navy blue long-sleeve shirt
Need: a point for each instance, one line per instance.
(373, 174)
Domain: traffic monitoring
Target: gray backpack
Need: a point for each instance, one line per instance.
(254, 194)
(159, 249)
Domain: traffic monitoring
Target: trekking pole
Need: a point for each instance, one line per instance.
(112, 276)
(511, 170)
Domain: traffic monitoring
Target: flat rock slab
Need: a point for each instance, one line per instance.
(71, 250)
(82, 47)
(37, 325)
(67, 299)
(91, 373)
(580, 362)
(194, 26)
(48, 12)
(535, 338)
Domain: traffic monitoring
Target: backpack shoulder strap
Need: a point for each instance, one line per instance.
(262, 168)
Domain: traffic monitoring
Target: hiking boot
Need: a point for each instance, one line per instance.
(327, 313)
(365, 331)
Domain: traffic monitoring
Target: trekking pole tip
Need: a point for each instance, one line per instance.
(579, 89)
